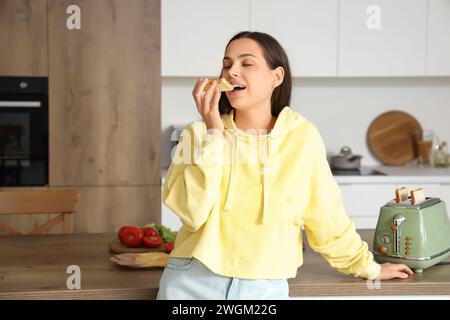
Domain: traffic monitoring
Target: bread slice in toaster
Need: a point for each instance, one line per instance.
(417, 196)
(401, 194)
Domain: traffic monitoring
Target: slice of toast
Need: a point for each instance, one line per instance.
(152, 258)
(417, 196)
(401, 194)
(148, 259)
(222, 84)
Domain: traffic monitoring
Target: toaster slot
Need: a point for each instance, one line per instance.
(399, 221)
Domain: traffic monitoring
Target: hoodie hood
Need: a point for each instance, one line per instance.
(286, 121)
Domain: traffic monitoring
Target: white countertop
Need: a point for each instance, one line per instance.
(410, 174)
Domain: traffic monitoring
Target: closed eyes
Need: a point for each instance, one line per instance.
(244, 65)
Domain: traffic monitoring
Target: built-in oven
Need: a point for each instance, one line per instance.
(24, 131)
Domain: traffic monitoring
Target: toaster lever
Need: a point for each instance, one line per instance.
(398, 223)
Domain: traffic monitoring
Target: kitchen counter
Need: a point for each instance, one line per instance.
(409, 174)
(34, 267)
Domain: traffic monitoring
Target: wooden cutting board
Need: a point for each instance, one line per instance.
(391, 138)
(136, 258)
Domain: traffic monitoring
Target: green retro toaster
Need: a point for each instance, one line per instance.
(417, 235)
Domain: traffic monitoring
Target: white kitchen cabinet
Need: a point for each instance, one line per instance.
(438, 55)
(363, 201)
(306, 29)
(194, 34)
(168, 217)
(397, 48)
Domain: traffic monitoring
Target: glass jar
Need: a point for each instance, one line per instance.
(424, 145)
(441, 158)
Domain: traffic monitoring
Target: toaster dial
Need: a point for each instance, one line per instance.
(385, 239)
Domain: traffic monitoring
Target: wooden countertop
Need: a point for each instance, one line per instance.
(34, 267)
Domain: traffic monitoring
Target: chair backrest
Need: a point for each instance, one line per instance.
(61, 202)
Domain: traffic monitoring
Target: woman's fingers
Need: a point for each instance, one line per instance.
(390, 271)
(399, 274)
(202, 85)
(405, 268)
(207, 102)
(206, 99)
(215, 98)
(197, 83)
(198, 91)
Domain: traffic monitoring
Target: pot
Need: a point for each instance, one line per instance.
(346, 159)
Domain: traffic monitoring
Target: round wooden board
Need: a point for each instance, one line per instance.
(117, 247)
(391, 138)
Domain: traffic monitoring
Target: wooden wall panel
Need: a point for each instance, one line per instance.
(105, 89)
(106, 209)
(23, 38)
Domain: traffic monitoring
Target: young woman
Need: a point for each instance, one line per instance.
(246, 179)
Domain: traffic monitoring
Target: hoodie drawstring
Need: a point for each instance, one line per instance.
(232, 178)
(266, 171)
(287, 120)
(266, 182)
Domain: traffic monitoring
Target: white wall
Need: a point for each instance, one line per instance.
(342, 108)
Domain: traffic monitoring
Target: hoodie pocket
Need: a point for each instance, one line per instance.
(181, 264)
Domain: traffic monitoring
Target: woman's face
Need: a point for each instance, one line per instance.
(244, 64)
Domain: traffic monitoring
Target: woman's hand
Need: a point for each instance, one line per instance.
(208, 104)
(391, 271)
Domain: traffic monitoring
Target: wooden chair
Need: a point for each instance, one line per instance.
(61, 202)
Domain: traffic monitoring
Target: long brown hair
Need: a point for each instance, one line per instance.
(275, 56)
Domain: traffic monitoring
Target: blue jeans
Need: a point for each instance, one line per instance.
(190, 279)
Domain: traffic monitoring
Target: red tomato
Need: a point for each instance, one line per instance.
(153, 241)
(169, 246)
(121, 230)
(131, 236)
(149, 231)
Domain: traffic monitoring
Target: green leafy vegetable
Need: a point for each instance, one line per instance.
(164, 232)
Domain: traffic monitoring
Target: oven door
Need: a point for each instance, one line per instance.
(23, 140)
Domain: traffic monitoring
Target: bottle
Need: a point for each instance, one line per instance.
(441, 156)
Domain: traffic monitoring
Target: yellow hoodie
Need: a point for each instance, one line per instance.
(243, 198)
